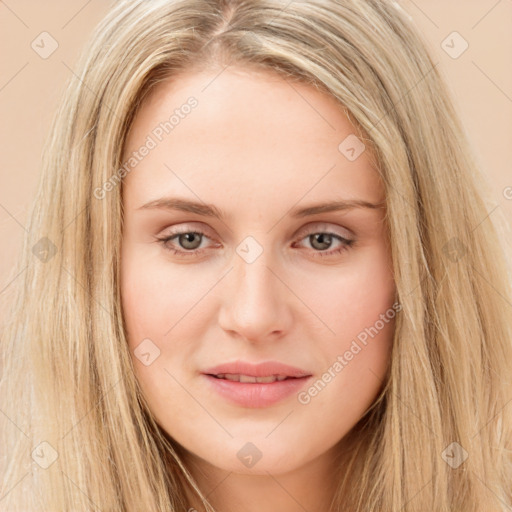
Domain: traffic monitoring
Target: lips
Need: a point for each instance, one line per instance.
(265, 369)
(255, 385)
(249, 378)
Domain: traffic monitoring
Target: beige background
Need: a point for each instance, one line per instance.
(480, 79)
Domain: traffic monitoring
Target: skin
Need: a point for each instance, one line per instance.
(255, 147)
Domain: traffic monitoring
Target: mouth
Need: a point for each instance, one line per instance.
(244, 371)
(236, 377)
(253, 392)
(250, 385)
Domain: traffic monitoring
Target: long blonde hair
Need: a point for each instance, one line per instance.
(76, 431)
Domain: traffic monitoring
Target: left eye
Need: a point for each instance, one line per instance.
(190, 242)
(320, 239)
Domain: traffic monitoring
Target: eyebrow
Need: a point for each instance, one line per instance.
(210, 210)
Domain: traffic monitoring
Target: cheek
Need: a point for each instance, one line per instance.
(356, 304)
(352, 297)
(163, 316)
(155, 295)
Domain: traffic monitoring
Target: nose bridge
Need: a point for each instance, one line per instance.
(254, 281)
(255, 305)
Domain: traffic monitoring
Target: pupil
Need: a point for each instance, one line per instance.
(187, 240)
(323, 238)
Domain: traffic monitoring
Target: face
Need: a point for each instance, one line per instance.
(226, 259)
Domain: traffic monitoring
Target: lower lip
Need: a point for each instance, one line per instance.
(249, 394)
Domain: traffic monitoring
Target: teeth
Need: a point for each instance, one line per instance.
(247, 378)
(229, 376)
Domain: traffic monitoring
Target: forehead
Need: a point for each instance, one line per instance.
(248, 130)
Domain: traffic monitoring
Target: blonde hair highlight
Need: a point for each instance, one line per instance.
(67, 375)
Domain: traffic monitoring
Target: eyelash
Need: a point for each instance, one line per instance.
(346, 243)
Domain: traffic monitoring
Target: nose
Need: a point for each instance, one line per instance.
(256, 304)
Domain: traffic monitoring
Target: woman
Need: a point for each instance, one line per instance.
(260, 274)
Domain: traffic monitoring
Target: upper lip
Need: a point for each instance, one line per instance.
(264, 369)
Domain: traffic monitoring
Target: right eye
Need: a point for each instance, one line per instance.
(187, 239)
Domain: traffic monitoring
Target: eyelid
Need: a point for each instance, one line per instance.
(304, 233)
(308, 229)
(324, 227)
(188, 227)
